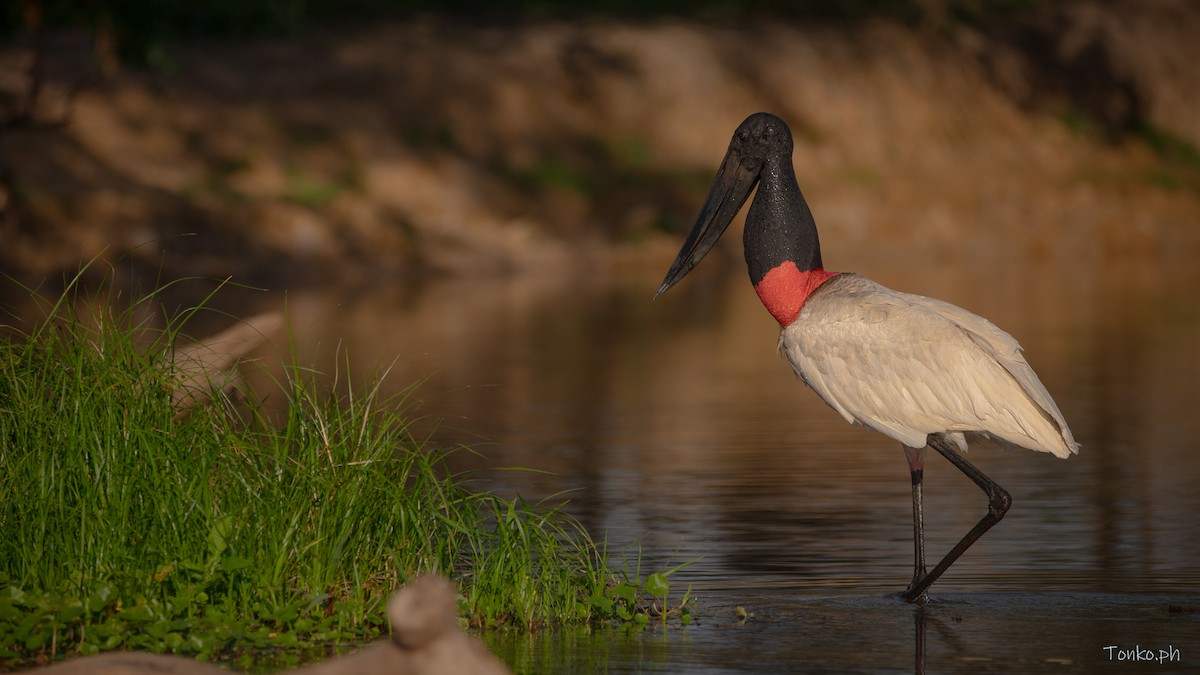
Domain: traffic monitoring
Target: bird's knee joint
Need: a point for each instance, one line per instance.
(999, 501)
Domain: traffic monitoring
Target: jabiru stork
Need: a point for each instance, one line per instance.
(921, 371)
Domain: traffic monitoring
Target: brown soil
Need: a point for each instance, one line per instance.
(427, 147)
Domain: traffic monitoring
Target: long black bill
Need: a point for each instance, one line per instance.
(729, 191)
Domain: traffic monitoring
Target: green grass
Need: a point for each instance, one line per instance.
(307, 189)
(217, 533)
(1179, 160)
(1169, 147)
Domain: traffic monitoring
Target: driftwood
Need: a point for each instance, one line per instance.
(210, 365)
(426, 640)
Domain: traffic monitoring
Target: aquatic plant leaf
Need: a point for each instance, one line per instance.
(624, 591)
(139, 614)
(70, 612)
(602, 604)
(657, 584)
(100, 598)
(8, 611)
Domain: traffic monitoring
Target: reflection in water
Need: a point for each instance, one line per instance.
(679, 434)
(673, 426)
(791, 632)
(920, 618)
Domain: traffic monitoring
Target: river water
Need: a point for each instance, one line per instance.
(679, 434)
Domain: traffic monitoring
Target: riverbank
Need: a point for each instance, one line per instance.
(422, 147)
(137, 520)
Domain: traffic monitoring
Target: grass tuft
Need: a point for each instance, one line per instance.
(125, 525)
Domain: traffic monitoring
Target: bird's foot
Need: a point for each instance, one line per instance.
(921, 597)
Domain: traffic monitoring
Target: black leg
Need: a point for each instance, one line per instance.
(919, 641)
(998, 502)
(916, 468)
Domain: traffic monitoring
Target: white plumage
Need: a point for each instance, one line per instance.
(908, 366)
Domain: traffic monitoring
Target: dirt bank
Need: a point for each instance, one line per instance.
(423, 146)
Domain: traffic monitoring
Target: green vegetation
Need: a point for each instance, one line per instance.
(1179, 160)
(552, 173)
(613, 179)
(1079, 123)
(128, 524)
(308, 190)
(1169, 147)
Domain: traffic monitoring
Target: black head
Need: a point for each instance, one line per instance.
(762, 140)
(760, 137)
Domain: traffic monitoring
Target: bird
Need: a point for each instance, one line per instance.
(921, 371)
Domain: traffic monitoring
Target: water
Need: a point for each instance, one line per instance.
(674, 425)
(976, 632)
(679, 434)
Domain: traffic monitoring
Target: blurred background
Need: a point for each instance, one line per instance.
(483, 198)
(285, 141)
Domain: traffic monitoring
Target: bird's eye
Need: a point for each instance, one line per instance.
(743, 136)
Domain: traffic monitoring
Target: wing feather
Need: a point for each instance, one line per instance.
(908, 366)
